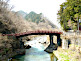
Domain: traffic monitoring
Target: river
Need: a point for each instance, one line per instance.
(36, 52)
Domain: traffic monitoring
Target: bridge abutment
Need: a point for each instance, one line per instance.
(52, 46)
(21, 43)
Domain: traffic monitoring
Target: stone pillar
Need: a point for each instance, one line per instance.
(51, 39)
(58, 40)
(79, 41)
(64, 44)
(79, 44)
(51, 46)
(72, 40)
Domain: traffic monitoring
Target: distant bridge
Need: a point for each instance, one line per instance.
(50, 48)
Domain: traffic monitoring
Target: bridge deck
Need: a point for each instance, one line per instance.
(33, 32)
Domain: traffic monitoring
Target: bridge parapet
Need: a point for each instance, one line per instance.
(33, 32)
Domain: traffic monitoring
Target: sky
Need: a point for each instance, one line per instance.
(49, 8)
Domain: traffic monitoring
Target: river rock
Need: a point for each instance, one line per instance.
(50, 48)
(28, 46)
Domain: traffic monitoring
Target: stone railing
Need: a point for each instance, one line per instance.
(75, 38)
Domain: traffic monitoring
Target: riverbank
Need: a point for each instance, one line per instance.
(9, 47)
(11, 54)
(67, 54)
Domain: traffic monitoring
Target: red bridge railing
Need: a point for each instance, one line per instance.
(30, 32)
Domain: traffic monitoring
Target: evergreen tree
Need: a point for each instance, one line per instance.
(70, 10)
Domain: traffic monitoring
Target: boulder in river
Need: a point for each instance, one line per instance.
(28, 46)
(50, 48)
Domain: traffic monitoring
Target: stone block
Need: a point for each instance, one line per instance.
(64, 44)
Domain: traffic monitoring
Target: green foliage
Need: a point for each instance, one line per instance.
(32, 16)
(69, 10)
(64, 57)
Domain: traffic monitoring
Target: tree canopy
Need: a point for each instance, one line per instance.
(68, 14)
(34, 17)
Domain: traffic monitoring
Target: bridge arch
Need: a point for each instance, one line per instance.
(40, 32)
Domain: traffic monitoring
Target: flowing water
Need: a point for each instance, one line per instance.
(35, 53)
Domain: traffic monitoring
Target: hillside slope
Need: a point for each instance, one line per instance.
(39, 21)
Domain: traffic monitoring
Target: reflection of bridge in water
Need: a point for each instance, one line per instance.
(51, 47)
